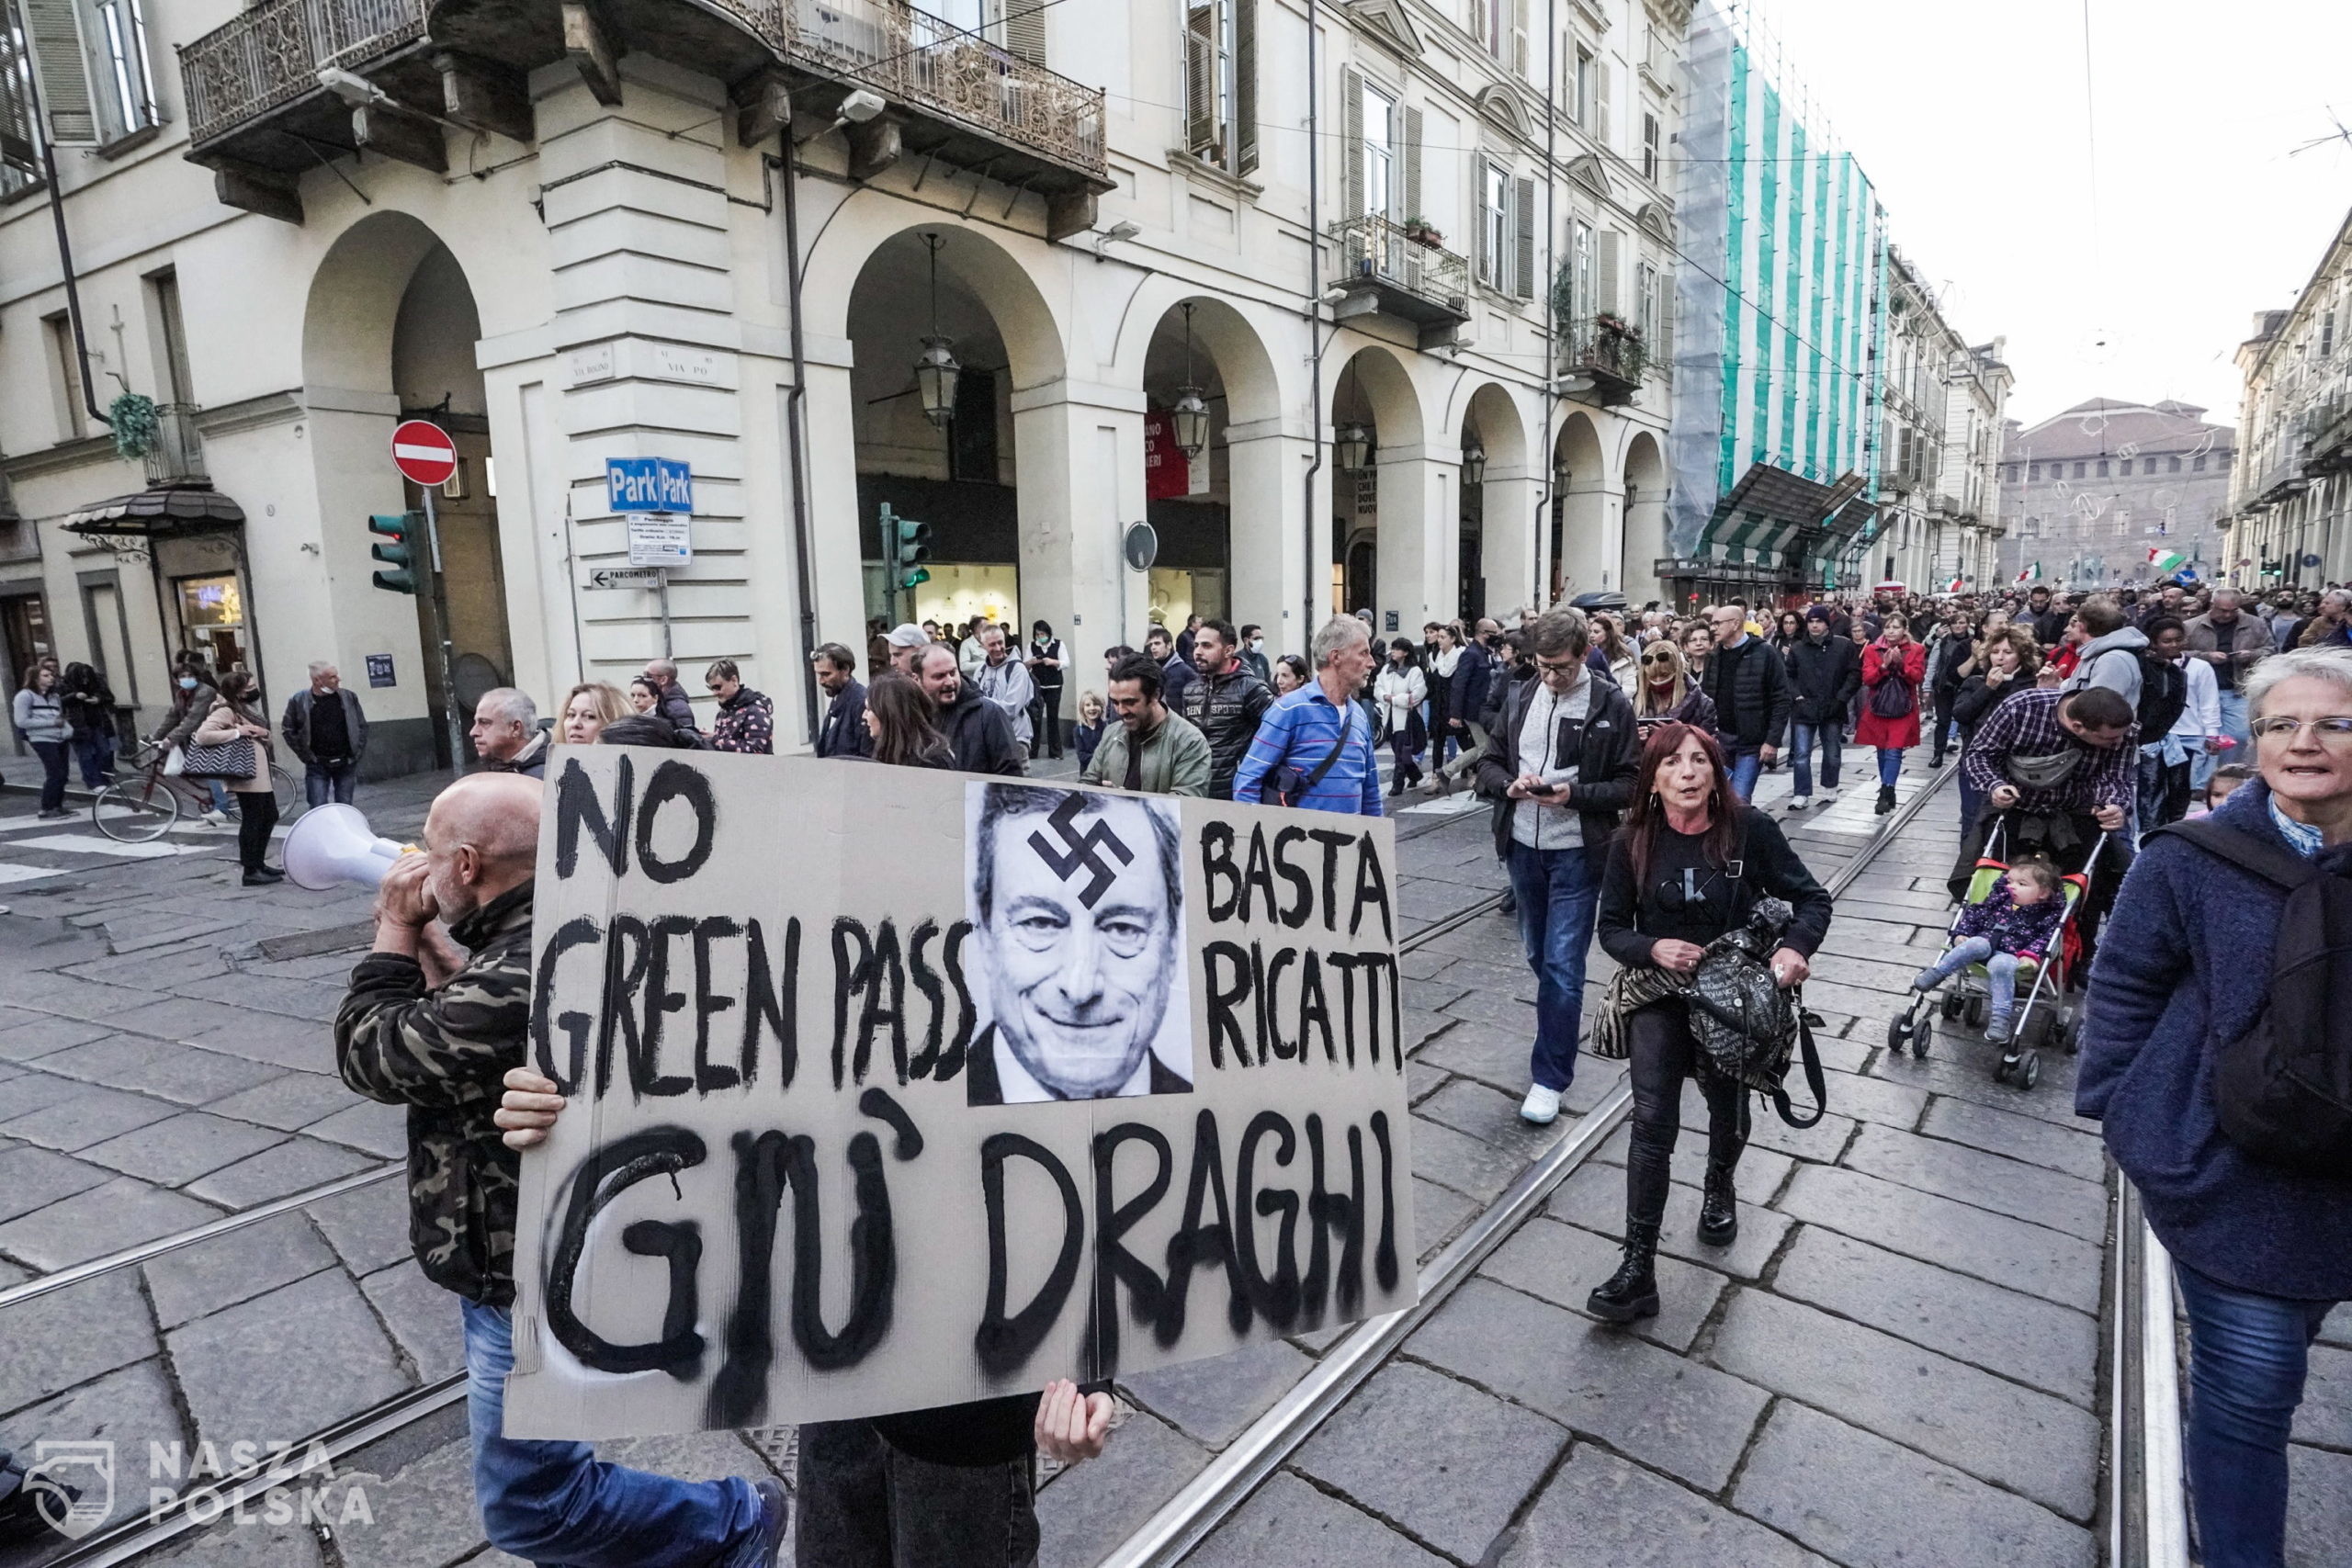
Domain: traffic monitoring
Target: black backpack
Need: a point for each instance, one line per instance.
(2282, 1091)
(2164, 697)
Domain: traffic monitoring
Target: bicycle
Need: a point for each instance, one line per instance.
(138, 810)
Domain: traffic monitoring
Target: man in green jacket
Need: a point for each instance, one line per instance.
(1153, 750)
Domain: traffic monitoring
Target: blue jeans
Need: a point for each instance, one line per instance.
(2247, 1357)
(1833, 744)
(557, 1502)
(1890, 765)
(53, 773)
(1746, 765)
(95, 751)
(1559, 895)
(2000, 971)
(323, 783)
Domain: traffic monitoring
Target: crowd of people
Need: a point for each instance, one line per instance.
(1618, 751)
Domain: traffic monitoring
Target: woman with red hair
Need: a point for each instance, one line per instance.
(1691, 864)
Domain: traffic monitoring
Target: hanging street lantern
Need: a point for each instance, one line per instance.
(1474, 462)
(1351, 445)
(936, 371)
(1191, 414)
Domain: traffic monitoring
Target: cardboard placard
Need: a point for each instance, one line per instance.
(893, 1089)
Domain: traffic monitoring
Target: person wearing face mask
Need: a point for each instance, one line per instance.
(1253, 654)
(193, 694)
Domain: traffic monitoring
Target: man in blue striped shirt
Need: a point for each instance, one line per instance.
(1300, 729)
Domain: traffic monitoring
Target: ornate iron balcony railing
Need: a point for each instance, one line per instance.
(272, 54)
(1375, 248)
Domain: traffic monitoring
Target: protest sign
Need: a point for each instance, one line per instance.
(893, 1089)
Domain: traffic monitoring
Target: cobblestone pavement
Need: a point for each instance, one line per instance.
(1900, 1350)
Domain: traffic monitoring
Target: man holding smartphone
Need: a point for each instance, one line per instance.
(1560, 769)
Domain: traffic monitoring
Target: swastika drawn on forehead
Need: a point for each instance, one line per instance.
(1078, 851)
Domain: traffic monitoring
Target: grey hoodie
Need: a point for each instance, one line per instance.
(2113, 661)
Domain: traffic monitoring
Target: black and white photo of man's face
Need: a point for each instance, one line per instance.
(1078, 943)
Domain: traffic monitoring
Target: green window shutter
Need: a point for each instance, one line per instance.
(1605, 296)
(1245, 85)
(64, 79)
(1412, 166)
(1351, 142)
(1200, 80)
(1522, 271)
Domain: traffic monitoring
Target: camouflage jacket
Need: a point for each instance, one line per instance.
(443, 1053)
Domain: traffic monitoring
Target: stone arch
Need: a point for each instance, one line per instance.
(1394, 557)
(845, 252)
(1584, 548)
(1645, 520)
(1497, 516)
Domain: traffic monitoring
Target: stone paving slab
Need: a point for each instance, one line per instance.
(2022, 1440)
(31, 1179)
(1600, 1512)
(196, 1281)
(2028, 1138)
(72, 1335)
(180, 1148)
(1985, 1180)
(2023, 1337)
(2029, 1258)
(1677, 1415)
(1475, 1458)
(1562, 1263)
(1290, 1522)
(1086, 1511)
(1210, 1401)
(1869, 1503)
(1594, 1198)
(285, 1363)
(106, 1218)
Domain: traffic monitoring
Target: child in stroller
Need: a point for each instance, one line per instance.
(2018, 921)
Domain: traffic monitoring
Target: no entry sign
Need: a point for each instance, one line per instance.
(424, 452)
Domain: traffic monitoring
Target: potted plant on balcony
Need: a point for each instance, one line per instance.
(1422, 231)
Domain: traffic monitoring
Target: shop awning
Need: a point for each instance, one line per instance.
(166, 511)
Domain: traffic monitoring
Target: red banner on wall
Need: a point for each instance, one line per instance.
(1167, 472)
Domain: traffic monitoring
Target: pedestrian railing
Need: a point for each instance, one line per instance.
(1373, 247)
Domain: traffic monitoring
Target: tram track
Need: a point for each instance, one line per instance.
(1227, 1481)
(2146, 1491)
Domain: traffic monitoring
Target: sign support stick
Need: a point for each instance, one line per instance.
(441, 629)
(661, 580)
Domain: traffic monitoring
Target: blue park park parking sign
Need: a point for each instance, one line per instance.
(648, 484)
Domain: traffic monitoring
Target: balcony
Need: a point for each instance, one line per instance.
(259, 115)
(1387, 272)
(1608, 352)
(176, 457)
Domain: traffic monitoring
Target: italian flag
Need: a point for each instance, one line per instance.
(1953, 586)
(2031, 573)
(2166, 562)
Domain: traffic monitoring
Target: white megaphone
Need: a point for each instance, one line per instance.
(333, 844)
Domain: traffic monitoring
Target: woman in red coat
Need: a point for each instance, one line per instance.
(1893, 670)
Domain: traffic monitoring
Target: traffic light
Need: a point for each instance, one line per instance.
(911, 545)
(395, 551)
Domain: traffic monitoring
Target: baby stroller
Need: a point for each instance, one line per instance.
(2043, 1017)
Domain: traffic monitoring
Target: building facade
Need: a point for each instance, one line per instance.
(2090, 493)
(1976, 402)
(1400, 281)
(1780, 304)
(2291, 502)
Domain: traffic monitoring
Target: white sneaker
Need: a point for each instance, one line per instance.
(213, 818)
(1828, 792)
(1542, 1106)
(1800, 803)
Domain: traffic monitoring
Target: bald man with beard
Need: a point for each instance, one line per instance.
(433, 1021)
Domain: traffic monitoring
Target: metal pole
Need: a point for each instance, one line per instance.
(441, 630)
(662, 582)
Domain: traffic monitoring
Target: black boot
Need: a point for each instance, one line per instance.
(1719, 1207)
(1885, 799)
(1631, 1294)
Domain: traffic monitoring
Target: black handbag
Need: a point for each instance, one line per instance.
(1749, 1027)
(225, 760)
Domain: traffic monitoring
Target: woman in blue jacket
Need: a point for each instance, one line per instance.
(2262, 1253)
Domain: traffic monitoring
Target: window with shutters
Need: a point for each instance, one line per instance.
(1582, 70)
(20, 134)
(1581, 278)
(1380, 154)
(65, 370)
(1646, 301)
(1220, 82)
(1494, 225)
(1651, 137)
(1522, 259)
(116, 34)
(171, 332)
(1605, 300)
